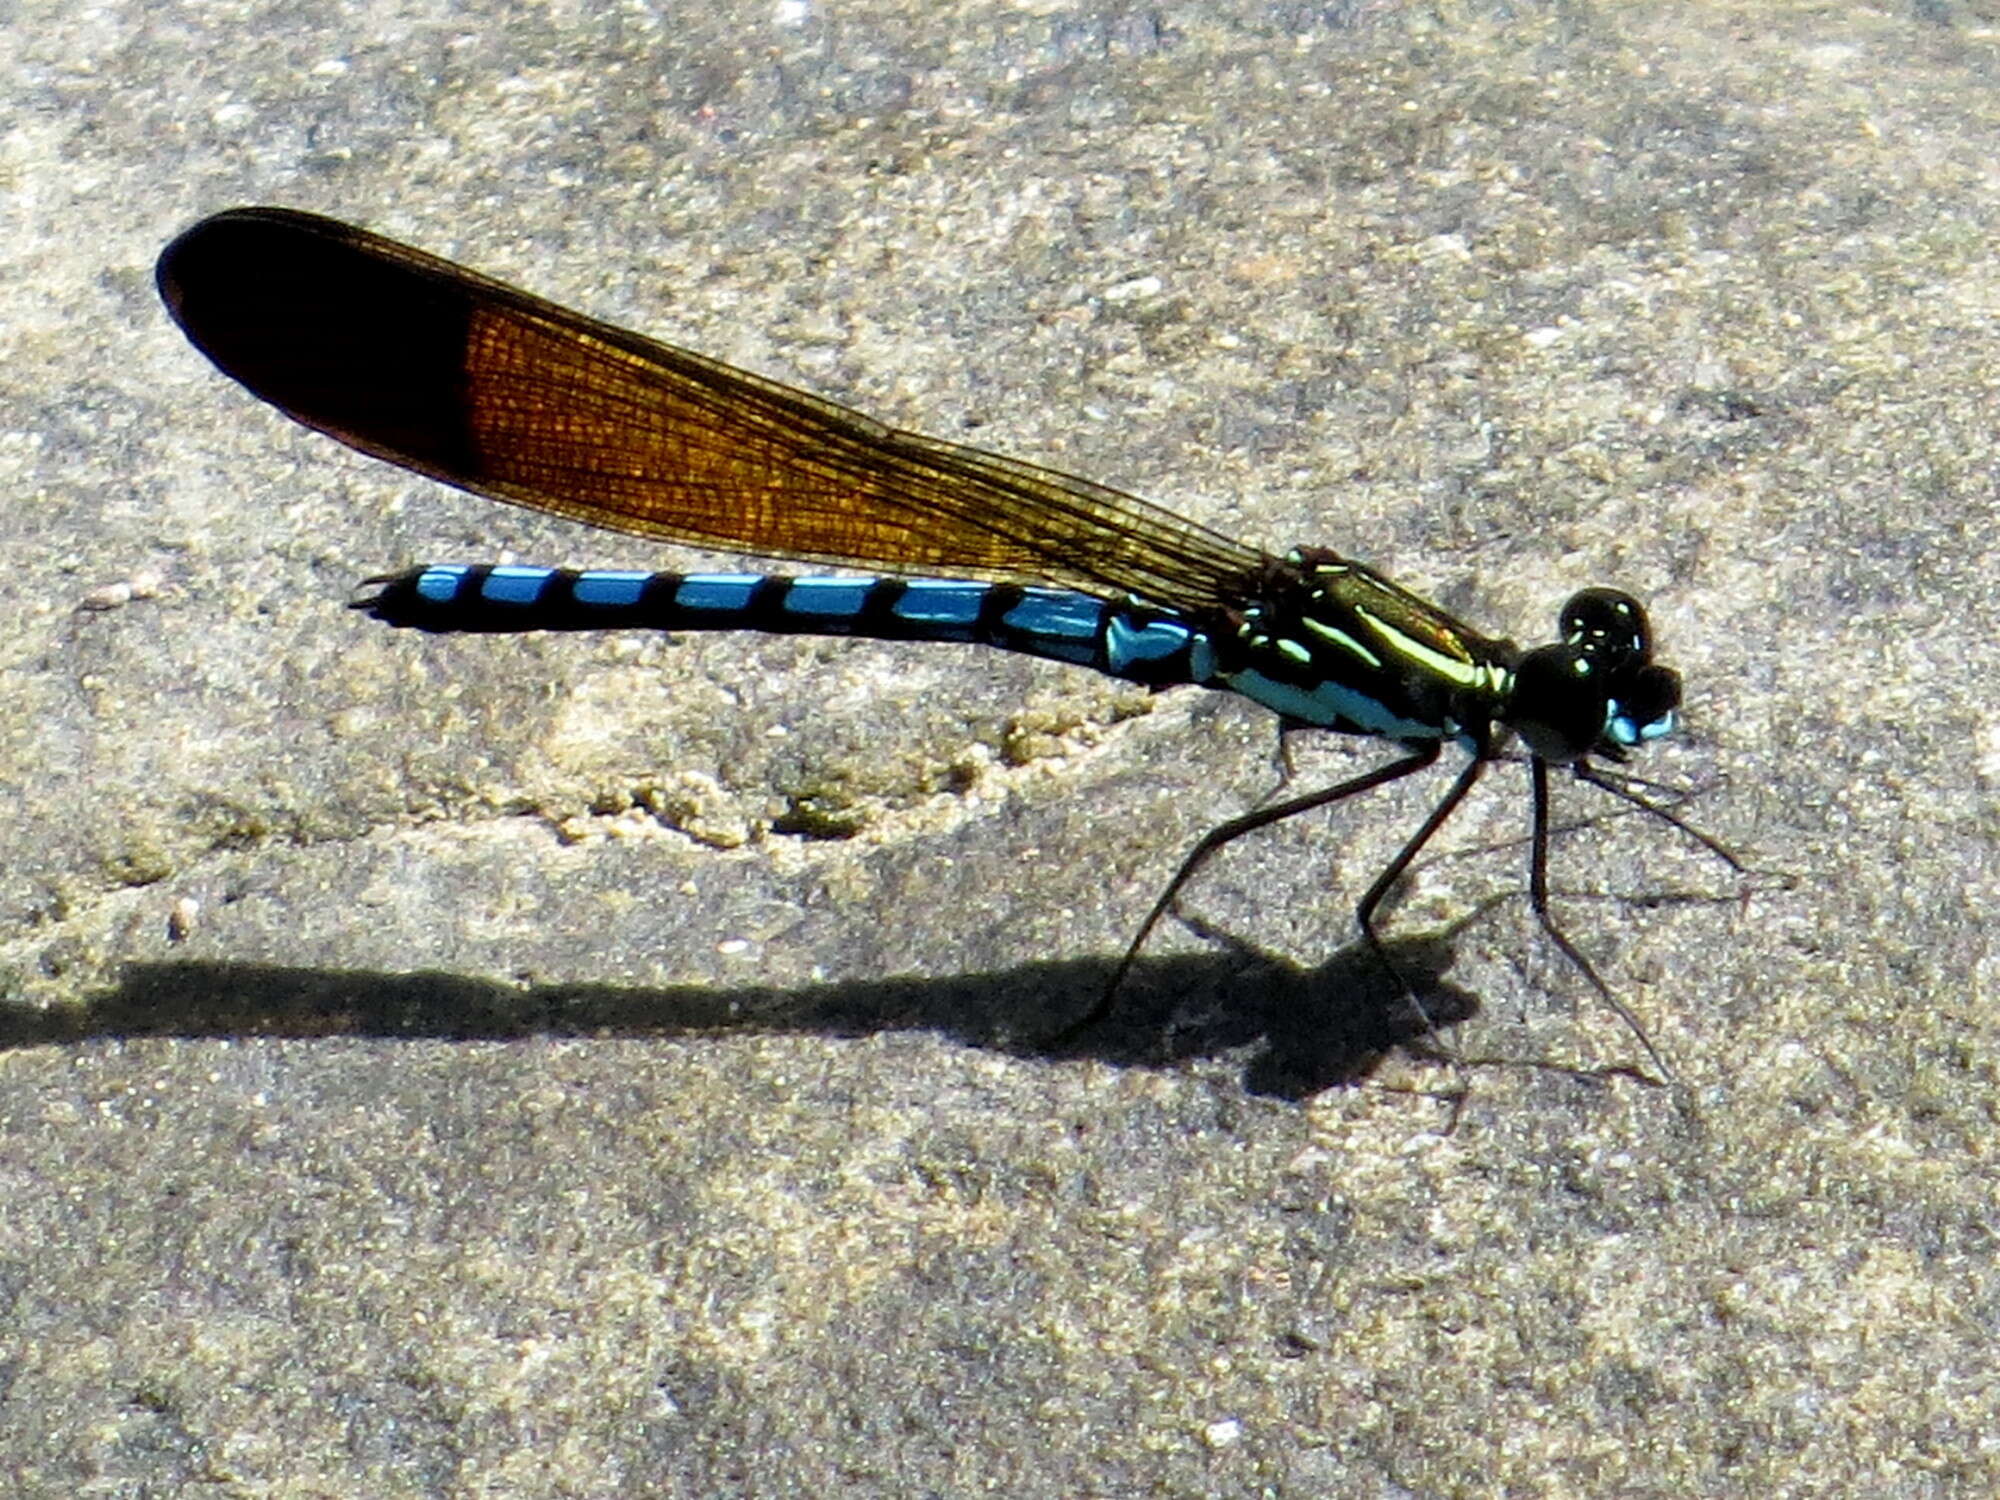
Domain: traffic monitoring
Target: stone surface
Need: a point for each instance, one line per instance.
(430, 1068)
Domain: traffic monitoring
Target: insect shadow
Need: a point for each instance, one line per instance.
(1299, 1030)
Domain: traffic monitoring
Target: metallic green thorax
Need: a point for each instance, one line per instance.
(1336, 645)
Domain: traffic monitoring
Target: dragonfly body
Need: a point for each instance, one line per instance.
(1144, 646)
(445, 372)
(1280, 668)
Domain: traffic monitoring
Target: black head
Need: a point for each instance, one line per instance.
(1598, 691)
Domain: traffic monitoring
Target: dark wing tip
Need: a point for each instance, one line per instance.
(338, 328)
(241, 280)
(201, 257)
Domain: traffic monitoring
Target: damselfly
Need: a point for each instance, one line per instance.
(431, 366)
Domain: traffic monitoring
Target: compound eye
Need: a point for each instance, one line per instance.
(1558, 705)
(1609, 626)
